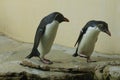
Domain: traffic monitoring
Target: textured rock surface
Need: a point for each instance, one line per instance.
(108, 71)
(65, 67)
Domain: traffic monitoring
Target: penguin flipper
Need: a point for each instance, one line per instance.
(77, 43)
(79, 38)
(39, 33)
(82, 32)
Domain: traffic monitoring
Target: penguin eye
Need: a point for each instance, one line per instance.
(56, 16)
(59, 18)
(100, 25)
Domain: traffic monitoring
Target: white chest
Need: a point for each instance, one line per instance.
(88, 41)
(48, 37)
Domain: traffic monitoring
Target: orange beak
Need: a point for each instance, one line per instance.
(108, 32)
(66, 20)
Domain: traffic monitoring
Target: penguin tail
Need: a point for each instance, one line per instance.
(75, 55)
(34, 53)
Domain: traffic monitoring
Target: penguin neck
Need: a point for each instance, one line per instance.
(93, 31)
(55, 21)
(54, 24)
(52, 27)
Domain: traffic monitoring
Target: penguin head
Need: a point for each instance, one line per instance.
(60, 18)
(103, 26)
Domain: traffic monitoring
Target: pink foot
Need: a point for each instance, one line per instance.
(46, 61)
(84, 56)
(89, 60)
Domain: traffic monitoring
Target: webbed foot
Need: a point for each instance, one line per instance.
(89, 60)
(46, 61)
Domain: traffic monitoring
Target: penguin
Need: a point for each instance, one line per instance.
(88, 37)
(45, 35)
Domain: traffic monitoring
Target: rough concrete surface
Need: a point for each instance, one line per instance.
(64, 67)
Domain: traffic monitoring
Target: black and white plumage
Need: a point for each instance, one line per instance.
(88, 37)
(45, 35)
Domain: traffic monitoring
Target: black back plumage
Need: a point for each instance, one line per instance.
(91, 23)
(84, 29)
(42, 26)
(40, 32)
